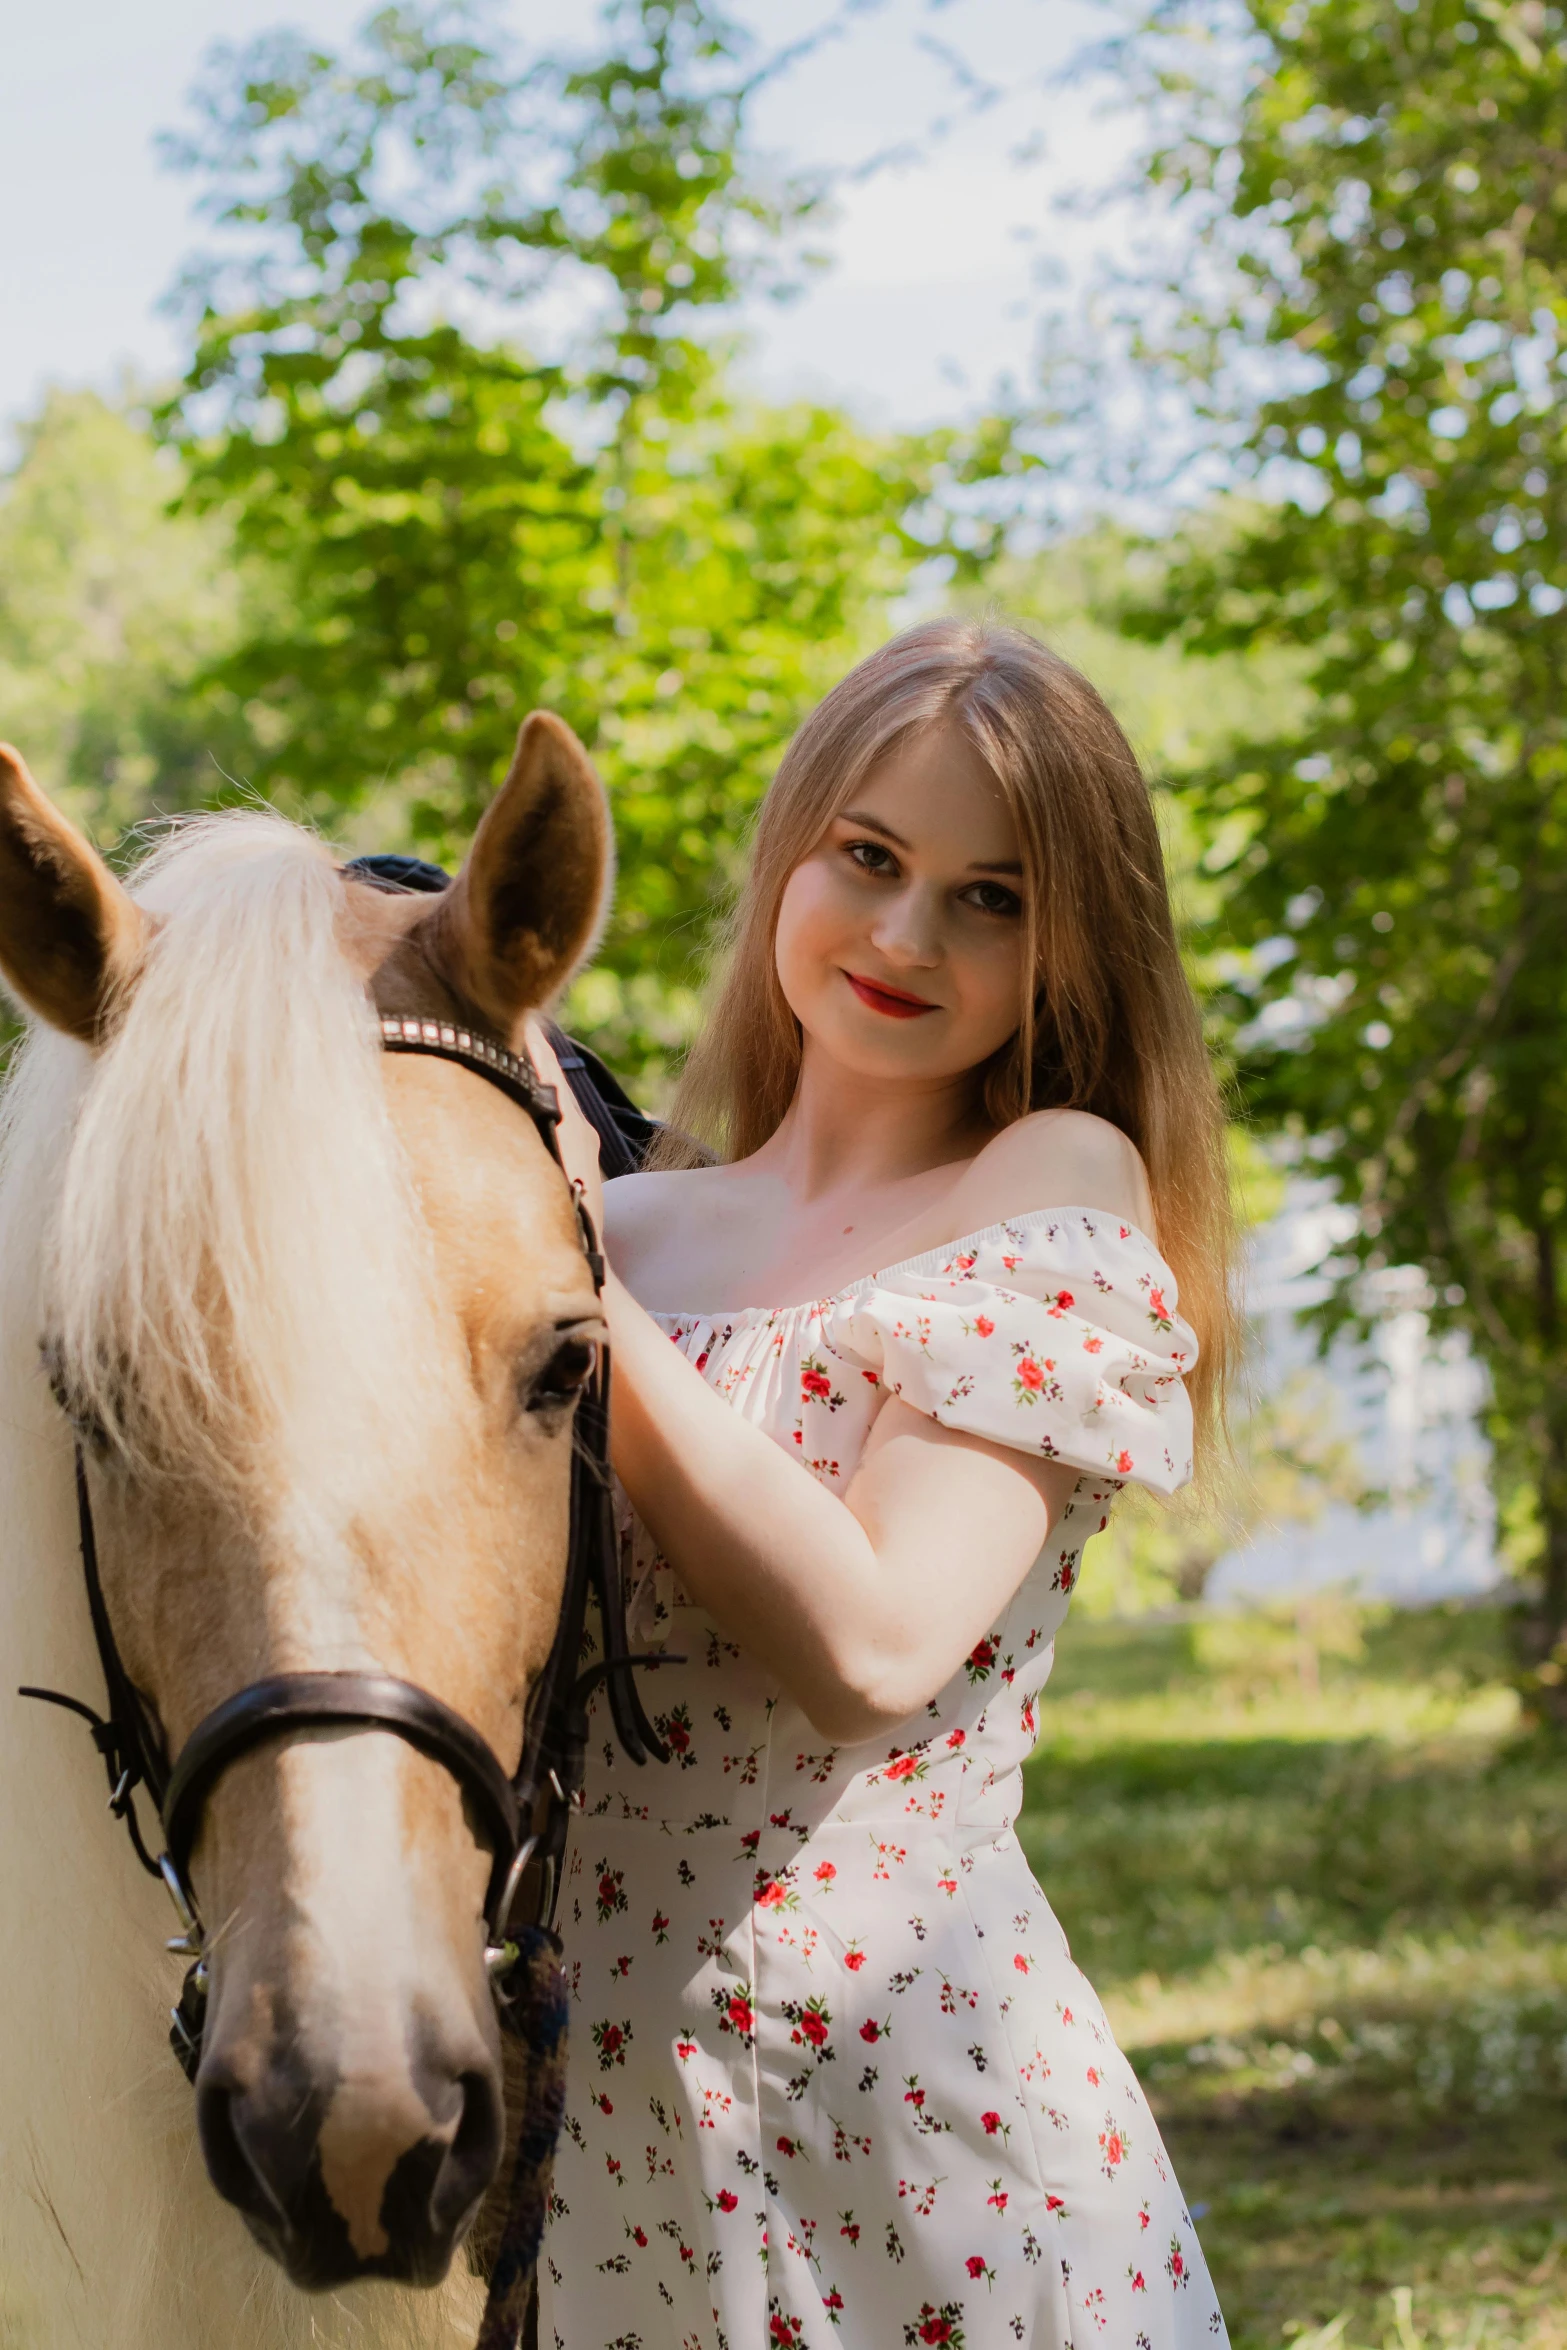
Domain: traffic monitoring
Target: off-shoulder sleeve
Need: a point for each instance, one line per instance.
(1056, 1333)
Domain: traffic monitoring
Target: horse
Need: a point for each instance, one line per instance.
(318, 1316)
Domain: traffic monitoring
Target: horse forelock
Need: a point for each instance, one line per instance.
(227, 1255)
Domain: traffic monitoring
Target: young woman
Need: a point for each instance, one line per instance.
(879, 1374)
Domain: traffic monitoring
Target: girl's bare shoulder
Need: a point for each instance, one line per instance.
(653, 1222)
(1054, 1159)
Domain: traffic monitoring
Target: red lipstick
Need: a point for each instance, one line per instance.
(894, 1002)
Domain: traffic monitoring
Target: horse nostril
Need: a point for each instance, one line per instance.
(255, 2165)
(472, 2158)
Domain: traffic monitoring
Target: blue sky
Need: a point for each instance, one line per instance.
(930, 299)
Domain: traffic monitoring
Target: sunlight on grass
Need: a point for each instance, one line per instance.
(1319, 1873)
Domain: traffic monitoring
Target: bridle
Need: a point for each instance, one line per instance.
(524, 1814)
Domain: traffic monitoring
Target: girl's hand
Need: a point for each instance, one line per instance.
(579, 1145)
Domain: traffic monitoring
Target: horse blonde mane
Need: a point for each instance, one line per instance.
(229, 1249)
(225, 1164)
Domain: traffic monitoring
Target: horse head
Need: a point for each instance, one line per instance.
(319, 1317)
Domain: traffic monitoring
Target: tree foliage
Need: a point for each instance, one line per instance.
(109, 609)
(464, 516)
(1388, 206)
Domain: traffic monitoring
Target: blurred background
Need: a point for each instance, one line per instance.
(375, 377)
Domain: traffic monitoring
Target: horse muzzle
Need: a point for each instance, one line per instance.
(370, 2175)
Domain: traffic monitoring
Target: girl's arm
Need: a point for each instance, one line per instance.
(863, 1606)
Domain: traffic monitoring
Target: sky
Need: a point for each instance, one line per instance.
(930, 299)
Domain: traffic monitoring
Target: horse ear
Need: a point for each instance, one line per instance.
(526, 906)
(69, 935)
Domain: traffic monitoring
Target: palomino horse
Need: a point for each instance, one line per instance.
(320, 1317)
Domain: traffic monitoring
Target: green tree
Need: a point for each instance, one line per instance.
(1377, 336)
(458, 528)
(109, 610)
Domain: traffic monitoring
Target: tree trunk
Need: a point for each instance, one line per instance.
(1545, 1626)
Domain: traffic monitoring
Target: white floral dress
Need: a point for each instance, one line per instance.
(834, 2077)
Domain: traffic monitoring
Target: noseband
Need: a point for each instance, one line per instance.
(521, 1815)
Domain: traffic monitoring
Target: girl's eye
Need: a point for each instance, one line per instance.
(872, 856)
(992, 898)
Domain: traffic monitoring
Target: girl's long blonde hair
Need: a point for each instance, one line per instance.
(1110, 1023)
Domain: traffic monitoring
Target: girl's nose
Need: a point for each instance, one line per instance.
(908, 927)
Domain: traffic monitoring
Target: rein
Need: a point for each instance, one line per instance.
(523, 1814)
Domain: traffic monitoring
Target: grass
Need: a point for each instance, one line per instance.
(1319, 1875)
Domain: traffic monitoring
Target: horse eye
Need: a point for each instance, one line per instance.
(564, 1376)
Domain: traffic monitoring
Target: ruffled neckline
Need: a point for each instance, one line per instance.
(929, 1261)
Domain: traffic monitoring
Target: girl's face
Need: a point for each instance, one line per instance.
(900, 939)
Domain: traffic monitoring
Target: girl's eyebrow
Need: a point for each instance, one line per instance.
(875, 824)
(872, 824)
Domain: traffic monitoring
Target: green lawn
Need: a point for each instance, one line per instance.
(1320, 1878)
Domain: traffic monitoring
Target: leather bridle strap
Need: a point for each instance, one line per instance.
(291, 1702)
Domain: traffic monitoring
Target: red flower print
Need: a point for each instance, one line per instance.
(675, 1730)
(1055, 2203)
(957, 1737)
(937, 2329)
(902, 1766)
(975, 2265)
(825, 1872)
(1175, 2267)
(1123, 1462)
(1115, 2147)
(637, 2237)
(816, 1385)
(772, 1896)
(854, 1960)
(1020, 1962)
(603, 2103)
(1139, 2281)
(726, 2199)
(735, 2012)
(981, 1659)
(1093, 2076)
(812, 2024)
(984, 1326)
(850, 2228)
(1030, 1375)
(832, 2300)
(610, 2041)
(789, 2146)
(1065, 1300)
(871, 2030)
(990, 2123)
